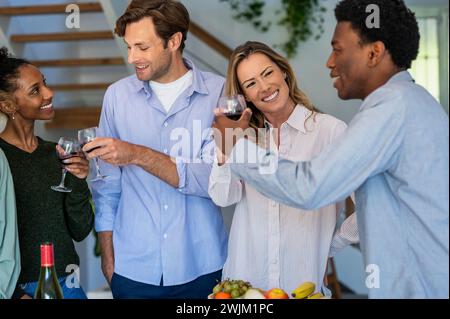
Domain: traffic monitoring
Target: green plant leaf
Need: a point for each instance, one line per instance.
(298, 17)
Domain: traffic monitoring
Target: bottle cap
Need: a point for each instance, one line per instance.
(47, 259)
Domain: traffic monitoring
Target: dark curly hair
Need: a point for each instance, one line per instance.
(398, 29)
(9, 70)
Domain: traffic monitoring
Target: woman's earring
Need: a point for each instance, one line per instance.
(13, 117)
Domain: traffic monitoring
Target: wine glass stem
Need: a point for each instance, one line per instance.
(63, 177)
(96, 166)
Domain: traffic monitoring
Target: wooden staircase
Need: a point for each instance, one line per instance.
(64, 36)
(69, 117)
(48, 9)
(79, 117)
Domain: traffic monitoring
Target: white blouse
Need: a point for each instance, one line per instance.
(273, 245)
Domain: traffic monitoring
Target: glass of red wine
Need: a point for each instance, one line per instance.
(68, 148)
(85, 136)
(232, 106)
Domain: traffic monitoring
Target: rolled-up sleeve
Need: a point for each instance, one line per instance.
(224, 188)
(194, 174)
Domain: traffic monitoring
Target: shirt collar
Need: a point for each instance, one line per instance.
(401, 76)
(198, 82)
(297, 118)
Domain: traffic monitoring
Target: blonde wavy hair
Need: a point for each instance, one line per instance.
(233, 86)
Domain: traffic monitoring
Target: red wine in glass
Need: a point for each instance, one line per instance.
(232, 106)
(64, 157)
(92, 149)
(235, 116)
(68, 148)
(85, 136)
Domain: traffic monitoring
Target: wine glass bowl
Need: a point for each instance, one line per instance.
(232, 106)
(85, 136)
(67, 148)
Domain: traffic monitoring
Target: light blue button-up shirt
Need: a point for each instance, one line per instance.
(158, 229)
(395, 156)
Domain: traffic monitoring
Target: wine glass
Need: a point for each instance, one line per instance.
(69, 148)
(85, 136)
(232, 106)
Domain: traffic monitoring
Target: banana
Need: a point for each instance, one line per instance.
(304, 290)
(317, 295)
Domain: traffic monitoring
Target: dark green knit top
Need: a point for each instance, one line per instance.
(45, 215)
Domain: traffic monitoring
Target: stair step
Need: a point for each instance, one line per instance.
(63, 36)
(79, 62)
(49, 9)
(79, 87)
(74, 118)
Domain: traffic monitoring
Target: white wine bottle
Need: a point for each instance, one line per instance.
(48, 286)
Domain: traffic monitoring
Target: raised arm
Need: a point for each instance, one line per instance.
(367, 147)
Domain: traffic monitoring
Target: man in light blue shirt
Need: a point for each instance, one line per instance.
(161, 235)
(394, 156)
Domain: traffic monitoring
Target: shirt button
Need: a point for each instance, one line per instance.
(273, 204)
(166, 124)
(165, 236)
(166, 207)
(165, 150)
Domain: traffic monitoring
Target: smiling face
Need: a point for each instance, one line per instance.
(263, 83)
(146, 51)
(32, 97)
(348, 63)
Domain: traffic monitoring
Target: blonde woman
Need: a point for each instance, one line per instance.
(271, 244)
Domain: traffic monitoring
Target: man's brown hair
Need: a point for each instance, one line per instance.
(168, 16)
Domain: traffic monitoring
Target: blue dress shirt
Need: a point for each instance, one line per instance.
(158, 229)
(395, 156)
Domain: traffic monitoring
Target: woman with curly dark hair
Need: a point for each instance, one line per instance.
(43, 215)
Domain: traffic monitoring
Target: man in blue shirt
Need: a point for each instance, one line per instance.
(161, 235)
(394, 156)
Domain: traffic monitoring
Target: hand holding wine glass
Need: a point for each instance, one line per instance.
(223, 125)
(67, 148)
(78, 166)
(232, 106)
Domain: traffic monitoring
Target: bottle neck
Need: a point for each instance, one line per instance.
(47, 258)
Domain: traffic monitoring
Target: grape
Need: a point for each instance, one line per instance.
(227, 288)
(235, 293)
(217, 288)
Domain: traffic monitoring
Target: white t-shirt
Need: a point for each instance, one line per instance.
(167, 93)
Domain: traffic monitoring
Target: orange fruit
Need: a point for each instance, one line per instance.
(276, 293)
(222, 295)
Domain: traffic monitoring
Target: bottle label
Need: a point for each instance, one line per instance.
(47, 255)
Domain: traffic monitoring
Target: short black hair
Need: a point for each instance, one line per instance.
(9, 70)
(398, 28)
